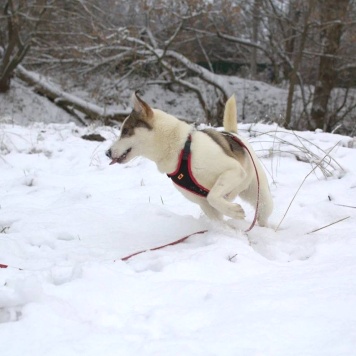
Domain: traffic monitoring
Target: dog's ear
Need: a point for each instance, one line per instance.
(141, 107)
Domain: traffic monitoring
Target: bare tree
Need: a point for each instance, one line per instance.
(20, 22)
(306, 38)
(332, 15)
(296, 62)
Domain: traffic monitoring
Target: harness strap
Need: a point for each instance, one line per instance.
(183, 175)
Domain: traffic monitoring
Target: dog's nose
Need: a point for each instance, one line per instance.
(108, 153)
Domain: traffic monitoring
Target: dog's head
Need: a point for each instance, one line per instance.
(135, 131)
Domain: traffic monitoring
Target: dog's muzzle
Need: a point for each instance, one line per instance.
(118, 159)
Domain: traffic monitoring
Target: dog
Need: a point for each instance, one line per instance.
(221, 165)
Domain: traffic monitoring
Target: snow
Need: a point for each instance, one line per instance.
(67, 218)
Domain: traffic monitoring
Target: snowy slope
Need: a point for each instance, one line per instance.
(67, 217)
(21, 106)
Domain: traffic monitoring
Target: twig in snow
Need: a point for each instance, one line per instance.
(230, 258)
(333, 223)
(346, 206)
(305, 178)
(3, 229)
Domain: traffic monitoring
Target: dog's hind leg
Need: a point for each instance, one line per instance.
(266, 206)
(265, 201)
(224, 185)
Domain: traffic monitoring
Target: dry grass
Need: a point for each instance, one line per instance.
(302, 149)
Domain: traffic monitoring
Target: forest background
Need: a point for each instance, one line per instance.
(105, 48)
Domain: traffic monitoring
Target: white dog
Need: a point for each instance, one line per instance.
(208, 167)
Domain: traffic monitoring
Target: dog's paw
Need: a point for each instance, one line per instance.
(236, 212)
(262, 222)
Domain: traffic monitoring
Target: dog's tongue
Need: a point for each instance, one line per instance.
(115, 160)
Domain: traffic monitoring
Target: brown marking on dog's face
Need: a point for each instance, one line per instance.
(126, 147)
(124, 144)
(140, 116)
(133, 121)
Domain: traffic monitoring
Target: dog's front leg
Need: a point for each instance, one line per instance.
(210, 211)
(233, 180)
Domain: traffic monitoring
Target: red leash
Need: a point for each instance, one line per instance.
(7, 266)
(163, 246)
(258, 187)
(137, 253)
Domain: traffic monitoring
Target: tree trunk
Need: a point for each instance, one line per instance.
(332, 16)
(293, 75)
(4, 84)
(15, 49)
(290, 36)
(255, 25)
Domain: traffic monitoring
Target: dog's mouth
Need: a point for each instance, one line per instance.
(121, 158)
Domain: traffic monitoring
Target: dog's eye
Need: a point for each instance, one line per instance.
(124, 131)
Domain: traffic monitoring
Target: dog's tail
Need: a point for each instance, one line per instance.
(230, 115)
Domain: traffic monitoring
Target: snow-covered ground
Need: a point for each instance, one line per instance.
(67, 217)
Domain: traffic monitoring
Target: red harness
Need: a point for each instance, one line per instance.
(183, 175)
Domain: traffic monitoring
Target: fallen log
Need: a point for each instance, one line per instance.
(67, 101)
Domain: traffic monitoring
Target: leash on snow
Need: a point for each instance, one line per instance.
(7, 266)
(176, 242)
